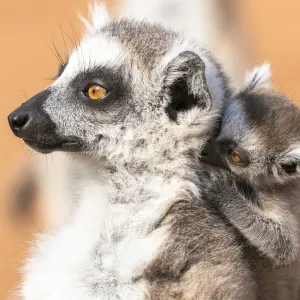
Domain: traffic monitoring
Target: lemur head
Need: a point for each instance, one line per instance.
(259, 139)
(128, 87)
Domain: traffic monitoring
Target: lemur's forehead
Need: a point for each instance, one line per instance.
(236, 129)
(146, 43)
(275, 119)
(93, 52)
(119, 43)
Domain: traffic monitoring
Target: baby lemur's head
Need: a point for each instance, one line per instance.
(129, 90)
(259, 139)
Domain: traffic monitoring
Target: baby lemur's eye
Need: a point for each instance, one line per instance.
(234, 157)
(289, 168)
(238, 158)
(96, 92)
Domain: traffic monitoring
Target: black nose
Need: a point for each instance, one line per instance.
(29, 121)
(18, 121)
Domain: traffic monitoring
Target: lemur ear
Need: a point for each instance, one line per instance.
(98, 17)
(259, 77)
(185, 84)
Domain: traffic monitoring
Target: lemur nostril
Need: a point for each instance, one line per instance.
(17, 121)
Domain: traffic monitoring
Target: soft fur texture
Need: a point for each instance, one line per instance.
(138, 227)
(262, 127)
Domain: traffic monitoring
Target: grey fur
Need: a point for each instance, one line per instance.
(264, 128)
(147, 162)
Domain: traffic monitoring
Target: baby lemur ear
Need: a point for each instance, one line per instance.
(185, 84)
(259, 77)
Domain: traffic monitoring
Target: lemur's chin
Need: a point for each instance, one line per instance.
(46, 147)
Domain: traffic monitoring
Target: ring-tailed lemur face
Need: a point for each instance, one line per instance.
(125, 83)
(260, 134)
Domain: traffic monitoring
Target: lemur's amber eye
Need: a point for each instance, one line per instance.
(96, 92)
(234, 157)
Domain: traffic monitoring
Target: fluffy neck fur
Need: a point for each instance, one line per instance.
(116, 220)
(135, 165)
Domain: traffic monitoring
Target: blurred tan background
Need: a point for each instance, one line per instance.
(242, 33)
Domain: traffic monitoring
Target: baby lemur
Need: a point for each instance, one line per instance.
(257, 154)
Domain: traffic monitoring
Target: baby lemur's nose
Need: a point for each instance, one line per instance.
(17, 121)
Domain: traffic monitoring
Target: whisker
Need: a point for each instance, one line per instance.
(78, 41)
(74, 44)
(24, 93)
(62, 60)
(63, 37)
(54, 52)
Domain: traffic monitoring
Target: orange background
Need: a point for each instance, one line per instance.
(26, 63)
(270, 27)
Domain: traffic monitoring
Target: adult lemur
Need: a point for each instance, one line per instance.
(134, 104)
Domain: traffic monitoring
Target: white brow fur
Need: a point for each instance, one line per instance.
(98, 16)
(107, 52)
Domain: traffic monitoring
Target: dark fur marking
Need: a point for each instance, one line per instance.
(118, 91)
(274, 115)
(248, 191)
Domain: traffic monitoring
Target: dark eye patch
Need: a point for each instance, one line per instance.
(248, 191)
(228, 146)
(238, 157)
(289, 168)
(114, 103)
